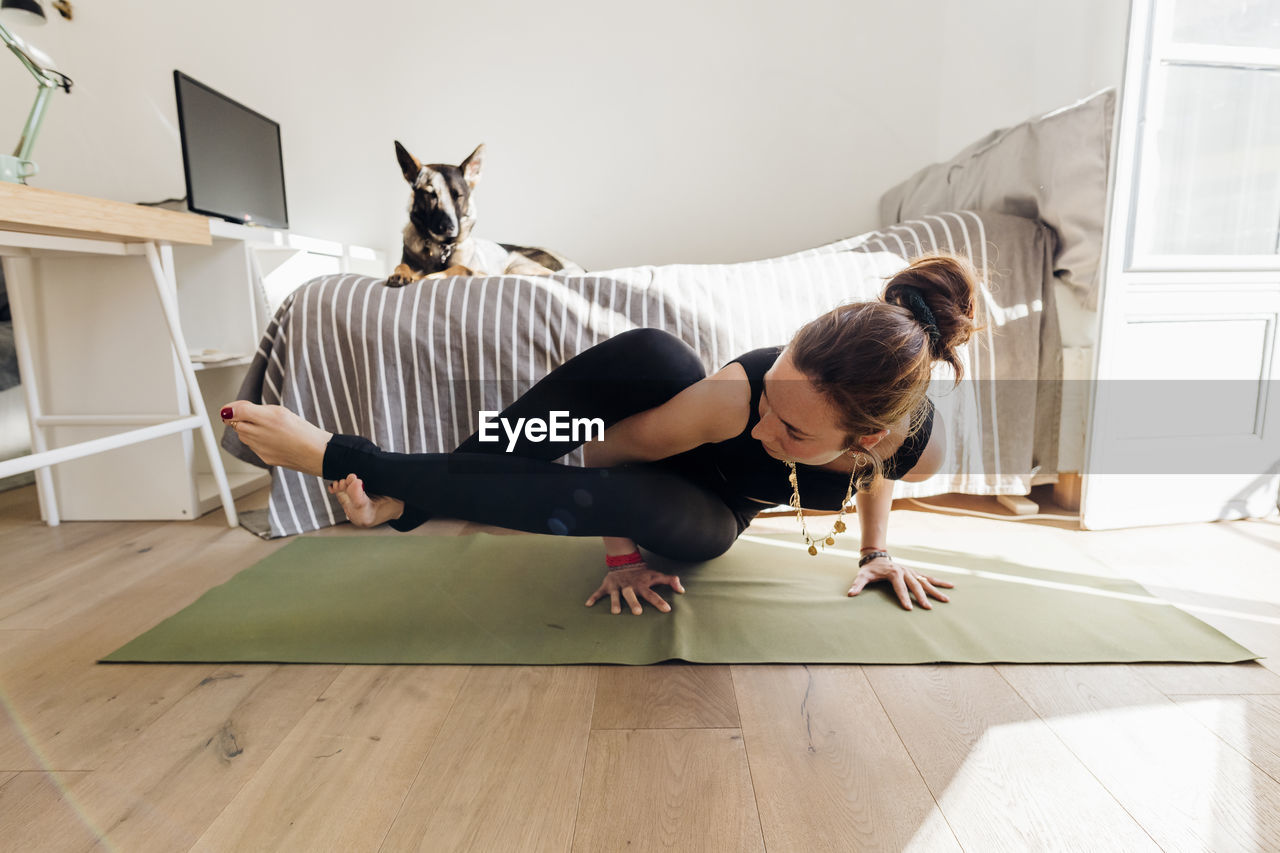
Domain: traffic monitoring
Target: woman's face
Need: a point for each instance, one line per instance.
(797, 423)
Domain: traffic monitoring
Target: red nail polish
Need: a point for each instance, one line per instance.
(227, 413)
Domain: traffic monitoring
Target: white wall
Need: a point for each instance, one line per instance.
(652, 132)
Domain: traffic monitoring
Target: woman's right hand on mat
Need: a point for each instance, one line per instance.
(905, 581)
(635, 578)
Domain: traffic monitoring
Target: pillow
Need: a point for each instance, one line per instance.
(1053, 168)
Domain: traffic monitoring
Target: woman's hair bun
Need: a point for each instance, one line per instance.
(948, 285)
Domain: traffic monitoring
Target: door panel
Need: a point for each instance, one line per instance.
(1185, 421)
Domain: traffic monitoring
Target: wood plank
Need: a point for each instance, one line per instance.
(1209, 678)
(46, 593)
(31, 546)
(74, 716)
(999, 774)
(830, 772)
(71, 712)
(155, 723)
(505, 772)
(27, 798)
(1250, 723)
(180, 772)
(1018, 504)
(1068, 490)
(1187, 788)
(41, 211)
(665, 696)
(1172, 558)
(19, 505)
(9, 639)
(340, 775)
(667, 789)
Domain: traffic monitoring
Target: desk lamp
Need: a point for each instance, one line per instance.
(18, 167)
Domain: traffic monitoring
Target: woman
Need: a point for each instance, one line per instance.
(687, 460)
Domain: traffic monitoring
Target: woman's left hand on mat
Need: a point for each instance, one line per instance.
(627, 581)
(884, 568)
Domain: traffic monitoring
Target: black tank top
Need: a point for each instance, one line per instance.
(748, 470)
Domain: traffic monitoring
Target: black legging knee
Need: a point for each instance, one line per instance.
(668, 508)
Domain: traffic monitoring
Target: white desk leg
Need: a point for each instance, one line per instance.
(166, 289)
(19, 275)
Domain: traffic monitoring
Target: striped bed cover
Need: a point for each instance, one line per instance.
(411, 367)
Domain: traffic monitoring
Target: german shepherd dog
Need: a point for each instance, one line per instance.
(438, 241)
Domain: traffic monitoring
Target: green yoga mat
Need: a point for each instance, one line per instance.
(495, 599)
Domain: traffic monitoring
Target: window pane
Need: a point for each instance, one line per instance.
(1239, 23)
(1214, 185)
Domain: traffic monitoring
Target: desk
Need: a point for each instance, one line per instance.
(38, 224)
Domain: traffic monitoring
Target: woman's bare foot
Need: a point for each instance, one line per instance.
(362, 509)
(279, 436)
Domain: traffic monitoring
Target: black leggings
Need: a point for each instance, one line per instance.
(674, 507)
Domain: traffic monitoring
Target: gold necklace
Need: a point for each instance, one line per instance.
(830, 538)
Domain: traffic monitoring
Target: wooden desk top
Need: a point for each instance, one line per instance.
(39, 211)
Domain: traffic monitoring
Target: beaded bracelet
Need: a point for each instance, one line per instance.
(871, 555)
(623, 559)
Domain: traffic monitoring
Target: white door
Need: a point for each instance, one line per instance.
(1185, 422)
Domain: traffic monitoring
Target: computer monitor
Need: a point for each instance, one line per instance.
(231, 157)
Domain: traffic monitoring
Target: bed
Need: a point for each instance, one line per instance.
(410, 368)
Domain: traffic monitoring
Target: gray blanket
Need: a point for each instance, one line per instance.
(410, 368)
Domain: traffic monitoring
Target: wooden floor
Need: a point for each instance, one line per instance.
(605, 758)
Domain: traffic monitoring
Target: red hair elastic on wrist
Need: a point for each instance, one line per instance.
(623, 559)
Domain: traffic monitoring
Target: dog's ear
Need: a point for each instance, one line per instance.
(409, 164)
(471, 167)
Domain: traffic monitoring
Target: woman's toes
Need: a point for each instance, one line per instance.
(239, 411)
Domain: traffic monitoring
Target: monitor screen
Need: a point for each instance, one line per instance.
(231, 156)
